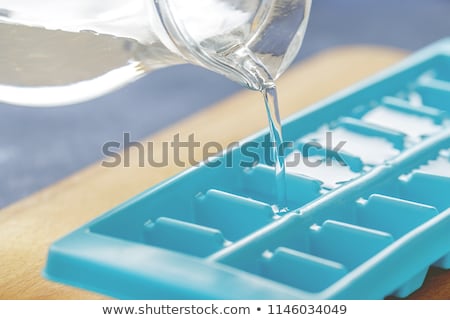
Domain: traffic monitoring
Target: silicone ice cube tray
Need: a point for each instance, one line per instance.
(367, 226)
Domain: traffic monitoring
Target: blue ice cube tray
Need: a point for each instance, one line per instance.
(365, 221)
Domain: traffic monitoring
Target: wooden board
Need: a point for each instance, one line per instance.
(28, 227)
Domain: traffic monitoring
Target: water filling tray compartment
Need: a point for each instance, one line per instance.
(365, 220)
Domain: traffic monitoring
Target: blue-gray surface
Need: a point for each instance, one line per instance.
(41, 146)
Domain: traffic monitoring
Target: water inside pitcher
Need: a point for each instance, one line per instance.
(58, 52)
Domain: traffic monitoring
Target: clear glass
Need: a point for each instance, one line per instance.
(59, 52)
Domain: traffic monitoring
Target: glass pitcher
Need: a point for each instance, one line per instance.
(57, 52)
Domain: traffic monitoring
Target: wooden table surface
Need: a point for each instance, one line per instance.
(28, 227)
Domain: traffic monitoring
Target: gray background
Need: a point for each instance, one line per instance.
(41, 146)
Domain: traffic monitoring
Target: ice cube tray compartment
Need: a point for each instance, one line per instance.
(365, 220)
